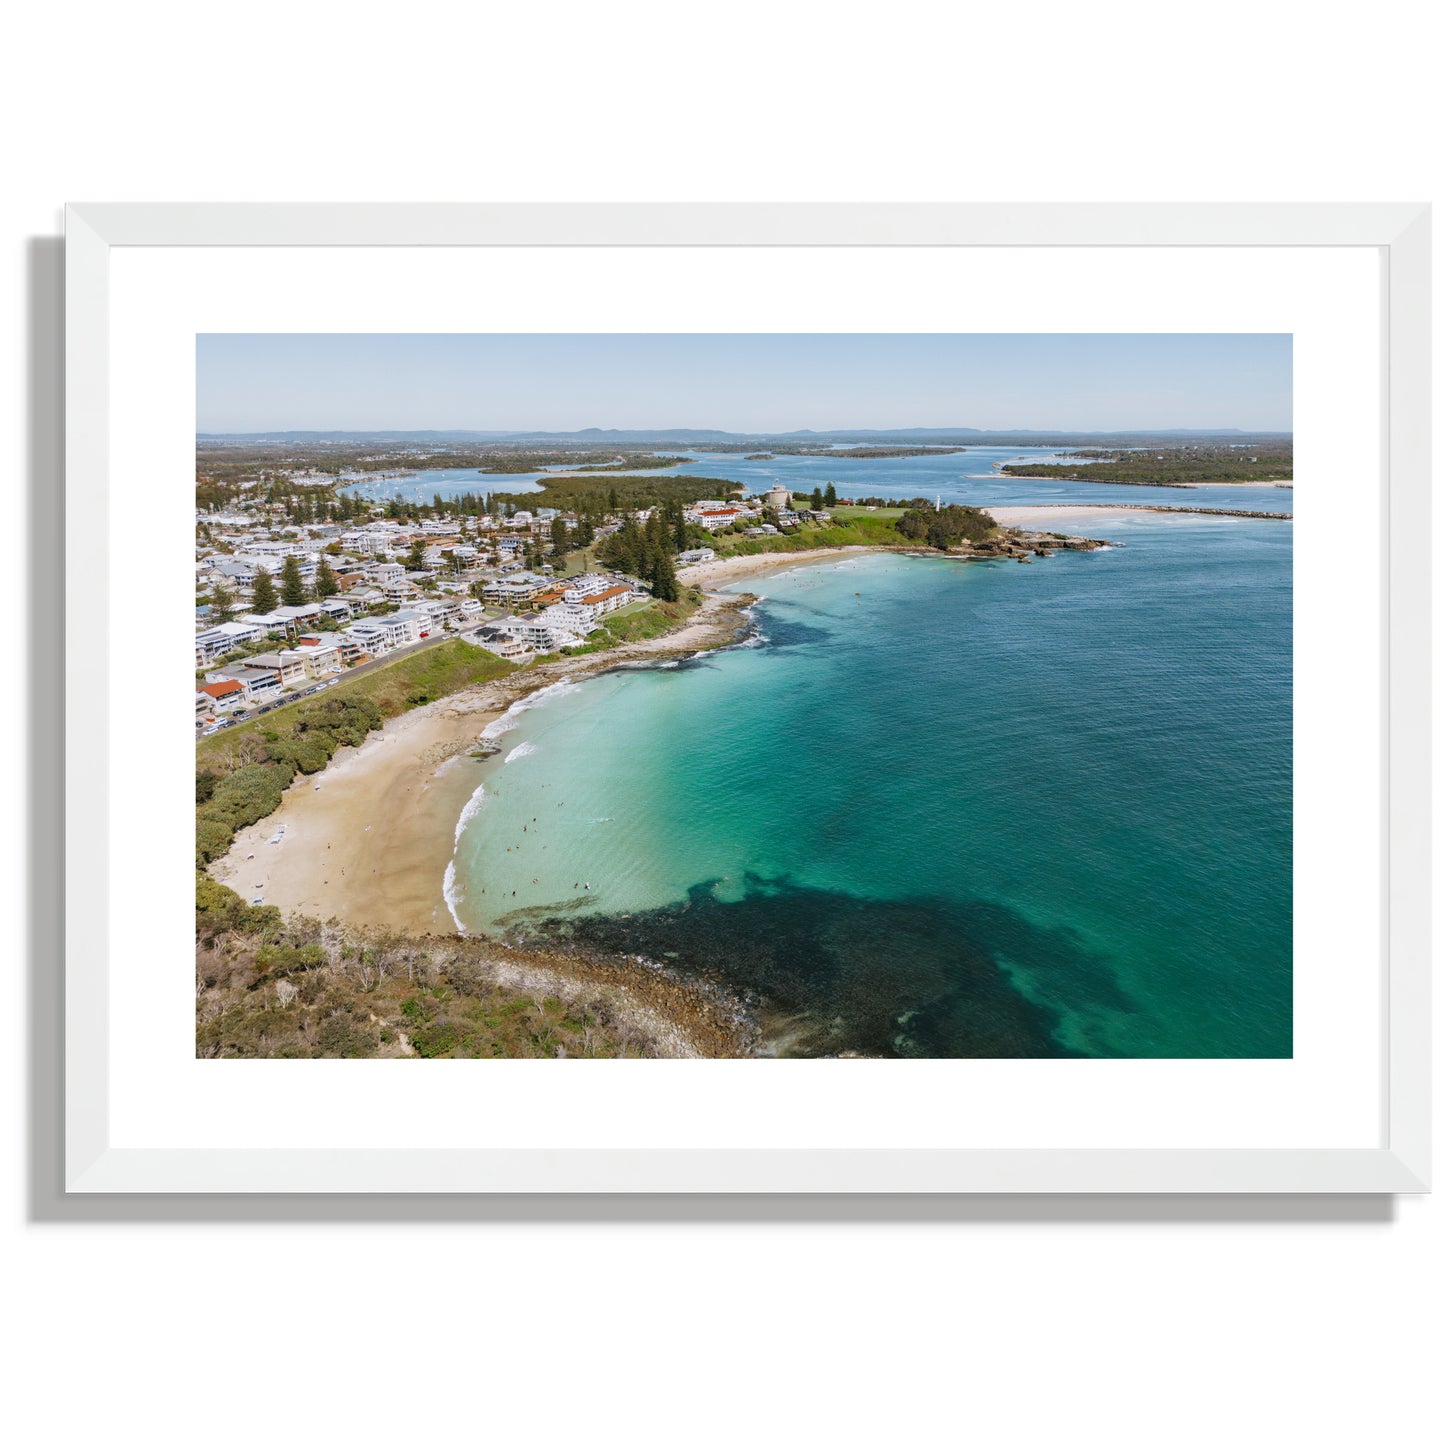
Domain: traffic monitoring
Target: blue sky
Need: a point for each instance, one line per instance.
(740, 382)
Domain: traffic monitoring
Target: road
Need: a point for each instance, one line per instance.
(397, 654)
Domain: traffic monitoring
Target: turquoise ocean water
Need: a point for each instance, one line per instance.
(937, 808)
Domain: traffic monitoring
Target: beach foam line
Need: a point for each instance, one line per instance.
(508, 719)
(450, 892)
(522, 750)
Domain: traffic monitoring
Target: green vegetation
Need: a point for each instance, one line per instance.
(293, 589)
(304, 990)
(950, 527)
(604, 492)
(637, 464)
(263, 594)
(647, 552)
(1171, 467)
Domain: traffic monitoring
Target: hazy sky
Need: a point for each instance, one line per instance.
(782, 382)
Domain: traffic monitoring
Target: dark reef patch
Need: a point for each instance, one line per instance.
(834, 973)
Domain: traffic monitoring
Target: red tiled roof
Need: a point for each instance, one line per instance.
(222, 689)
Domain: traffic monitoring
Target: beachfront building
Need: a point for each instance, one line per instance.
(416, 624)
(260, 683)
(288, 666)
(499, 638)
(217, 641)
(596, 605)
(695, 555)
(542, 634)
(315, 661)
(778, 498)
(713, 519)
(570, 617)
(223, 696)
(381, 634)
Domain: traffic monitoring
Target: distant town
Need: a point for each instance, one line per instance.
(298, 583)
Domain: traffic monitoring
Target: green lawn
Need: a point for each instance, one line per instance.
(408, 682)
(853, 527)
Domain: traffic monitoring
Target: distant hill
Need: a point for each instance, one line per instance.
(701, 439)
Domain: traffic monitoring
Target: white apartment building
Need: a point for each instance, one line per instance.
(599, 604)
(503, 641)
(571, 617)
(212, 643)
(541, 635)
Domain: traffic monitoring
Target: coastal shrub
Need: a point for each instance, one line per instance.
(339, 1038)
(947, 527)
(212, 839)
(248, 794)
(276, 961)
(434, 1040)
(220, 909)
(307, 753)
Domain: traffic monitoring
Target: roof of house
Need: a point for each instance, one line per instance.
(220, 689)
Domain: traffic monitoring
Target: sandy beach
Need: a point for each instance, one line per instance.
(729, 569)
(367, 840)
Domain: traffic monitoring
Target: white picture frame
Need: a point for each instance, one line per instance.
(1400, 233)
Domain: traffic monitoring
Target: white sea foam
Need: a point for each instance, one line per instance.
(522, 750)
(452, 894)
(509, 719)
(473, 807)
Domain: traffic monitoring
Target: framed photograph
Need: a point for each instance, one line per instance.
(750, 699)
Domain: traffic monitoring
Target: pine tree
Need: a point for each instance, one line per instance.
(293, 589)
(631, 545)
(326, 584)
(679, 529)
(223, 601)
(559, 536)
(416, 557)
(663, 577)
(263, 593)
(817, 499)
(830, 497)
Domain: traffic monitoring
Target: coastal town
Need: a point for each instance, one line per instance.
(291, 596)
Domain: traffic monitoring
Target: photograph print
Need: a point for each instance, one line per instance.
(879, 696)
